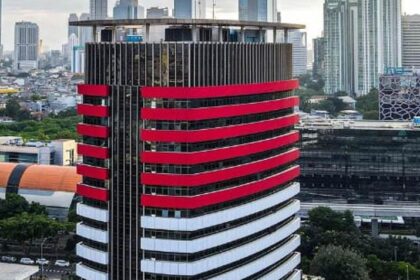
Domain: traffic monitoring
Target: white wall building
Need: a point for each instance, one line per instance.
(363, 38)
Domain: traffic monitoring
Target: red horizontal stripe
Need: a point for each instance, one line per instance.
(94, 90)
(217, 91)
(93, 130)
(219, 154)
(194, 180)
(93, 151)
(195, 202)
(194, 136)
(219, 111)
(92, 110)
(92, 192)
(93, 172)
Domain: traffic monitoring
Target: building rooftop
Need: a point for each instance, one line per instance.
(42, 177)
(16, 271)
(353, 124)
(191, 22)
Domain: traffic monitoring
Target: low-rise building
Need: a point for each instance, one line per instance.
(51, 186)
(57, 152)
(361, 163)
(399, 95)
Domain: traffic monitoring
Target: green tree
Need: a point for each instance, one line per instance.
(368, 105)
(25, 228)
(23, 115)
(15, 204)
(12, 108)
(337, 263)
(327, 220)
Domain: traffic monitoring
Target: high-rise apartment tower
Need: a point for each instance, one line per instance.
(189, 165)
(363, 38)
(26, 46)
(98, 9)
(411, 41)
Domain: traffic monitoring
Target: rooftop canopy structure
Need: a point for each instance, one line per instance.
(195, 24)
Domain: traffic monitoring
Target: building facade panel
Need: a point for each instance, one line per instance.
(201, 166)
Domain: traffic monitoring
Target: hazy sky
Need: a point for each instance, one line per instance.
(51, 15)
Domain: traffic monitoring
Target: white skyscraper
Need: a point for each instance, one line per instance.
(26, 46)
(411, 41)
(99, 9)
(363, 37)
(85, 33)
(300, 52)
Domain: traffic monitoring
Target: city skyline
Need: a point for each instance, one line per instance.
(309, 12)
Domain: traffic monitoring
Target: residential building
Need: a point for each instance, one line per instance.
(51, 186)
(73, 29)
(187, 9)
(300, 52)
(318, 69)
(189, 166)
(399, 95)
(156, 12)
(258, 10)
(411, 41)
(363, 37)
(58, 152)
(78, 59)
(98, 9)
(26, 46)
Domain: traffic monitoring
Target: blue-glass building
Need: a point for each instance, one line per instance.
(258, 10)
(183, 9)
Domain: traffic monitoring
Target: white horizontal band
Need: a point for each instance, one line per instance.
(92, 213)
(92, 233)
(224, 216)
(91, 254)
(88, 273)
(230, 256)
(220, 238)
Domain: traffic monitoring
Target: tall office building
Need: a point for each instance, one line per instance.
(73, 29)
(411, 41)
(258, 10)
(300, 52)
(26, 46)
(99, 9)
(128, 9)
(318, 67)
(189, 164)
(85, 33)
(187, 9)
(363, 38)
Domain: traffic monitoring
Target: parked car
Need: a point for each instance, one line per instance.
(42, 261)
(62, 263)
(26, 261)
(8, 259)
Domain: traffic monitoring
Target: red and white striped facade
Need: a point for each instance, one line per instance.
(191, 182)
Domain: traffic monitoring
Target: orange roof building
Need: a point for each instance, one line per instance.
(50, 185)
